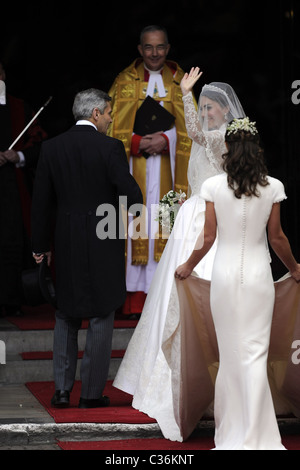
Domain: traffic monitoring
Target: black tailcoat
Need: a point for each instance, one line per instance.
(78, 171)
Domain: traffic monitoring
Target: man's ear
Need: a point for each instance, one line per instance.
(96, 113)
(140, 49)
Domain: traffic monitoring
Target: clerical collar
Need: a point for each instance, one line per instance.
(155, 83)
(153, 72)
(2, 92)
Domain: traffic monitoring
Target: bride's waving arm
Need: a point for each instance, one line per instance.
(189, 80)
(192, 122)
(211, 136)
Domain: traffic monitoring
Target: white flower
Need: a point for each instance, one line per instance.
(169, 206)
(242, 124)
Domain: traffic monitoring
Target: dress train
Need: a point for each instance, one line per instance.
(145, 372)
(171, 362)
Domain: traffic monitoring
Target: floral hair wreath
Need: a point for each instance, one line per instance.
(242, 124)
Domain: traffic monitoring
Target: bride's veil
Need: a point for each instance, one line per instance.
(225, 96)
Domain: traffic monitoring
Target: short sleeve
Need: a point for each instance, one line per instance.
(207, 192)
(278, 191)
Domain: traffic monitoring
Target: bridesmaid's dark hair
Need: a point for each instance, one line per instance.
(244, 163)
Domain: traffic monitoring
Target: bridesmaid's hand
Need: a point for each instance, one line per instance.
(189, 80)
(183, 271)
(296, 273)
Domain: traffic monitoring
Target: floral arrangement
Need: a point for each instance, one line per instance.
(241, 125)
(168, 208)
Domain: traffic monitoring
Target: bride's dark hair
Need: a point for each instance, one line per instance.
(244, 163)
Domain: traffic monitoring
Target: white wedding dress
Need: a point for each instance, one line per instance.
(171, 362)
(145, 372)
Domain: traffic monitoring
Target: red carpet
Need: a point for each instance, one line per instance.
(120, 410)
(194, 443)
(48, 355)
(43, 318)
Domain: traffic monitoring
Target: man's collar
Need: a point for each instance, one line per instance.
(85, 122)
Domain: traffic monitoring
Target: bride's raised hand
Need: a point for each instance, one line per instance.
(189, 80)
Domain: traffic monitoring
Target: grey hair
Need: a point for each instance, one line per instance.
(151, 29)
(87, 100)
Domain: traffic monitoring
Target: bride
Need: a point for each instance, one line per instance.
(145, 371)
(172, 360)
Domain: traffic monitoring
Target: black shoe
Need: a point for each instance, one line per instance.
(61, 399)
(134, 316)
(94, 403)
(13, 311)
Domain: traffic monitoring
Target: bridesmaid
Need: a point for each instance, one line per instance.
(241, 203)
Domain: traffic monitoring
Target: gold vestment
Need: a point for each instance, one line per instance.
(128, 93)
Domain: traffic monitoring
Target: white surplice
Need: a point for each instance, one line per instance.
(138, 278)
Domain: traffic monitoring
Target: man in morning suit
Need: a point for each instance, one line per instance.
(79, 171)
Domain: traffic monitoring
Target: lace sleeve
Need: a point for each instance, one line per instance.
(192, 122)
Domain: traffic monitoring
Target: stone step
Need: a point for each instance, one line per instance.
(37, 435)
(17, 341)
(26, 425)
(16, 370)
